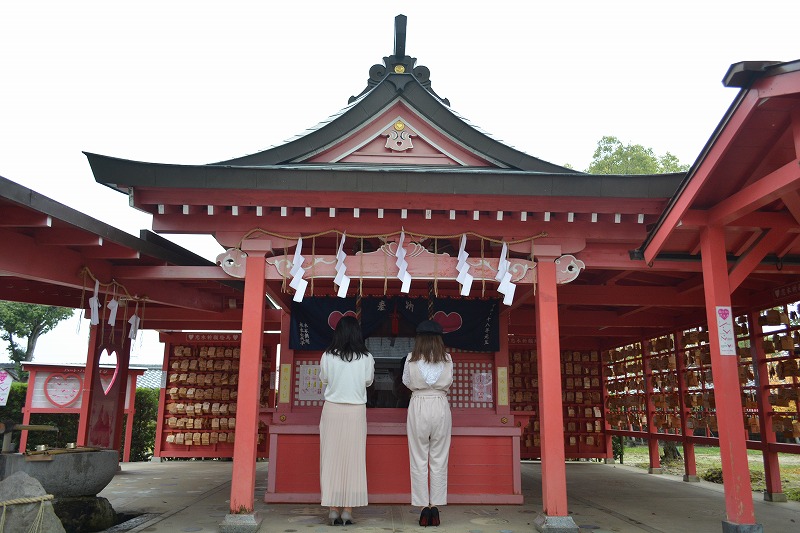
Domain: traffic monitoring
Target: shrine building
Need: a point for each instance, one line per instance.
(578, 308)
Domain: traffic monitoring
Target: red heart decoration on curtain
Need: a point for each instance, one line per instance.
(449, 321)
(336, 316)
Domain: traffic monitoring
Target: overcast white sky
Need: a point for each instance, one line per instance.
(194, 82)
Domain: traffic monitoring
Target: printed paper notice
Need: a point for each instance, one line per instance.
(5, 386)
(725, 331)
(482, 387)
(310, 385)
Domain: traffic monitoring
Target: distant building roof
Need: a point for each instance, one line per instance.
(151, 379)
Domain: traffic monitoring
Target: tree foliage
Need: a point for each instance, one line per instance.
(27, 321)
(143, 437)
(612, 157)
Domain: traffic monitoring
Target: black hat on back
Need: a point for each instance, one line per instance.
(429, 327)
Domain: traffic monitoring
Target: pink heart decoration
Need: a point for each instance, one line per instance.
(449, 321)
(62, 390)
(724, 313)
(336, 316)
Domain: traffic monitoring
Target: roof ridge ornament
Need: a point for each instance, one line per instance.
(399, 63)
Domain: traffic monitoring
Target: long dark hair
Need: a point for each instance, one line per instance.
(347, 342)
(430, 348)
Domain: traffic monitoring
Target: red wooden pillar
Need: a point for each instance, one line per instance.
(131, 409)
(689, 460)
(772, 469)
(91, 375)
(26, 413)
(245, 446)
(607, 436)
(121, 383)
(652, 440)
(501, 362)
(551, 413)
(733, 450)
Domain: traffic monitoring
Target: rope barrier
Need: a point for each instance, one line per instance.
(38, 522)
(262, 231)
(113, 284)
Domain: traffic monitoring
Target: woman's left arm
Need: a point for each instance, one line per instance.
(370, 374)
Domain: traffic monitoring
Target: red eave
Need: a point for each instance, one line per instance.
(701, 176)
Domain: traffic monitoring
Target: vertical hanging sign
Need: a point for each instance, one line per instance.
(725, 332)
(285, 383)
(5, 387)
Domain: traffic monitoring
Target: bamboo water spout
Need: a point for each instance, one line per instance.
(8, 427)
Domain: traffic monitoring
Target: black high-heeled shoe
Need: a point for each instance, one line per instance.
(425, 517)
(334, 518)
(434, 516)
(347, 518)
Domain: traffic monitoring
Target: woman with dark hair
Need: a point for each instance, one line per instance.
(428, 372)
(347, 369)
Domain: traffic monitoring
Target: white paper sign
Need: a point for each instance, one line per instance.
(311, 387)
(5, 387)
(725, 331)
(482, 387)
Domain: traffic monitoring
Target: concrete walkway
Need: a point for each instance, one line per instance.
(184, 496)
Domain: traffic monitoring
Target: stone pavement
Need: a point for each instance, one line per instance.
(189, 496)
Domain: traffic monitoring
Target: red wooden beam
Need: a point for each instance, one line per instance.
(771, 187)
(753, 257)
(18, 217)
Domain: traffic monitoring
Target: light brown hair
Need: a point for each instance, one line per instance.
(429, 348)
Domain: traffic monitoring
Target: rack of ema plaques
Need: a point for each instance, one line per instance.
(582, 397)
(198, 405)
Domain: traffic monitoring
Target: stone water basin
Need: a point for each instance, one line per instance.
(65, 473)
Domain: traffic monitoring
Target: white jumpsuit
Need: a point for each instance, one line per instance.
(429, 426)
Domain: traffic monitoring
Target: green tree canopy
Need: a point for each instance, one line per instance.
(27, 321)
(612, 157)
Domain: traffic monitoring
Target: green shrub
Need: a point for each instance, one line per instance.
(618, 447)
(12, 412)
(793, 495)
(714, 475)
(144, 424)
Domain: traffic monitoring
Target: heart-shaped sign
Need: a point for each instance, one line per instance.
(449, 321)
(336, 316)
(107, 382)
(724, 313)
(62, 390)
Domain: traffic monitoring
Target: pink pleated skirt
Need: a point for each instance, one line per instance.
(343, 455)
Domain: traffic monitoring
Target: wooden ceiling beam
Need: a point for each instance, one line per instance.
(67, 237)
(771, 187)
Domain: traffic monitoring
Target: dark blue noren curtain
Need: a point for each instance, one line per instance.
(471, 325)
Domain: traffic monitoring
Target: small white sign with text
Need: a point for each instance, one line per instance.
(725, 331)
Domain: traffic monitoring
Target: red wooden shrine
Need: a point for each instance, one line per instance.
(659, 301)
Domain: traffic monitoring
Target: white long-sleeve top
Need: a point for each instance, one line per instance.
(346, 382)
